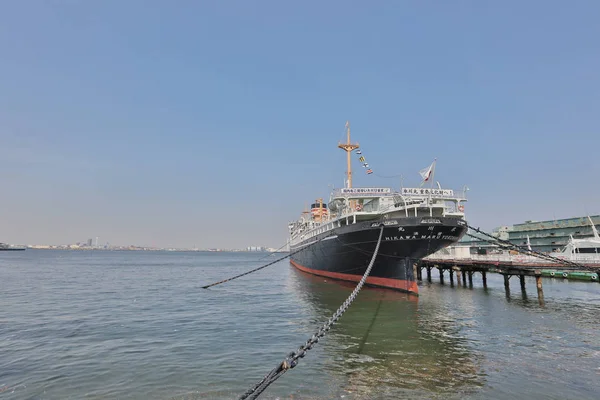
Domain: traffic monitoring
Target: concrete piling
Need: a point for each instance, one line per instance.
(540, 292)
(484, 279)
(466, 271)
(506, 285)
(415, 268)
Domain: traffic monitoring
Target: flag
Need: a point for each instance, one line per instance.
(361, 159)
(358, 152)
(369, 171)
(426, 172)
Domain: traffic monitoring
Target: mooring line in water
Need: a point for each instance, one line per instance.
(266, 265)
(522, 250)
(292, 359)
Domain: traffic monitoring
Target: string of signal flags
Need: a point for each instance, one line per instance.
(426, 173)
(362, 159)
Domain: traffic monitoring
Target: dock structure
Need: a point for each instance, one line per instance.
(506, 265)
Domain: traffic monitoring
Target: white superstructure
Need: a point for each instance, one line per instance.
(351, 205)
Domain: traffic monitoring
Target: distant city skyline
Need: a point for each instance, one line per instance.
(89, 243)
(214, 124)
(86, 246)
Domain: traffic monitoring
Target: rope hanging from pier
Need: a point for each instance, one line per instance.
(264, 266)
(522, 250)
(292, 359)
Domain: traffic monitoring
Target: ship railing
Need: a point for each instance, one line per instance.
(409, 206)
(420, 193)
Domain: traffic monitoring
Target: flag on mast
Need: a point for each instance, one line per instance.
(426, 172)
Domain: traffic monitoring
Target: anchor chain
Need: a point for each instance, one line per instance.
(264, 266)
(292, 358)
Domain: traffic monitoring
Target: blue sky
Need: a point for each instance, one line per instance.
(212, 124)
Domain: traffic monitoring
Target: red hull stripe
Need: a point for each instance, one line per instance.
(398, 284)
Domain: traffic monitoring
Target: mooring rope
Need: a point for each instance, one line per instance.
(292, 359)
(266, 265)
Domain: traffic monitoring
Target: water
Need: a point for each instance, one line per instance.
(137, 325)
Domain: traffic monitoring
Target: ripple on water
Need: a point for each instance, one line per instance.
(138, 325)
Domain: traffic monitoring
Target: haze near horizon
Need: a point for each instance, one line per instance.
(212, 124)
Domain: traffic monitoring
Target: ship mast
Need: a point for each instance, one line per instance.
(348, 147)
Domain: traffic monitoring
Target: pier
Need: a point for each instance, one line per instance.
(508, 265)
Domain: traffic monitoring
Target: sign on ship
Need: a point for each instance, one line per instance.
(427, 192)
(366, 191)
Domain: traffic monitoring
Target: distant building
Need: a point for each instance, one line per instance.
(544, 236)
(89, 242)
(255, 248)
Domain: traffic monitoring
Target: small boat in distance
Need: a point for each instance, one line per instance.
(7, 247)
(337, 240)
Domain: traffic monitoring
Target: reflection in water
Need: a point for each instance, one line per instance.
(385, 345)
(137, 326)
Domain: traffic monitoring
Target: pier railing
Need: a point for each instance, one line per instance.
(516, 259)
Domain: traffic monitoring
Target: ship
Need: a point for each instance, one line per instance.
(336, 239)
(585, 250)
(7, 247)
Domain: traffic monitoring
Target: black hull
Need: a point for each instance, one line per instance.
(344, 252)
(12, 249)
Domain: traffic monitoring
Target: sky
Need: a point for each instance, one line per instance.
(213, 123)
